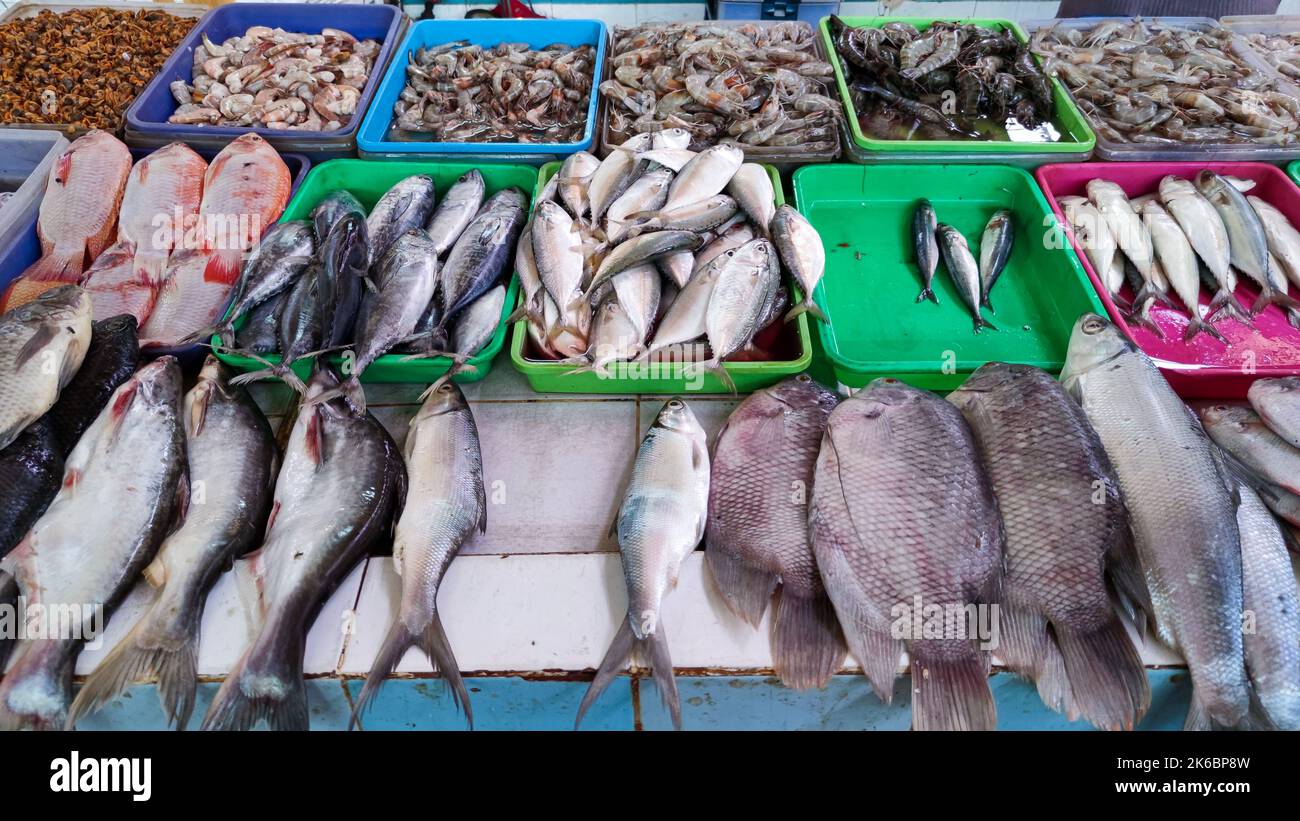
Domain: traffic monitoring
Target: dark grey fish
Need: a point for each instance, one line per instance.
(260, 332)
(31, 469)
(453, 214)
(924, 225)
(404, 207)
(344, 258)
(995, 250)
(298, 330)
(110, 360)
(423, 338)
(643, 248)
(332, 209)
(481, 255)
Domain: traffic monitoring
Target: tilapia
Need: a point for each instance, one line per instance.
(751, 188)
(926, 246)
(659, 523)
(42, 345)
(337, 491)
(1277, 401)
(166, 185)
(109, 361)
(757, 535)
(1247, 240)
(995, 250)
(137, 443)
(1182, 507)
(31, 470)
(114, 286)
(964, 272)
(187, 301)
(231, 460)
(455, 210)
(902, 514)
(404, 207)
(245, 190)
(1066, 532)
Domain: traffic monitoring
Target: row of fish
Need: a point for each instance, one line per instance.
(1184, 234)
(974, 282)
(657, 247)
(415, 275)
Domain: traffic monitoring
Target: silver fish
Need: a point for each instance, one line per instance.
(558, 253)
(706, 175)
(1125, 227)
(1283, 238)
(1200, 222)
(926, 247)
(1247, 240)
(699, 217)
(611, 179)
(686, 318)
(42, 344)
(732, 238)
(1267, 456)
(677, 266)
(647, 193)
(404, 207)
(751, 188)
(454, 212)
(963, 271)
(995, 250)
(674, 159)
(740, 297)
(644, 248)
(638, 290)
(575, 176)
(1093, 235)
(481, 254)
(1277, 401)
(659, 523)
(802, 253)
(477, 324)
(615, 336)
(1178, 262)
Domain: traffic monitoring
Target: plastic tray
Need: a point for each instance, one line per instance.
(778, 10)
(25, 248)
(25, 159)
(1077, 139)
(1110, 150)
(547, 376)
(877, 328)
(373, 139)
(23, 10)
(782, 162)
(1204, 368)
(146, 119)
(368, 181)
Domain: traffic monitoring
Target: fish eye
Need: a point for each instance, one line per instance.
(446, 388)
(803, 377)
(675, 404)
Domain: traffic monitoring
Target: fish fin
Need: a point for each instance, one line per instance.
(62, 264)
(718, 369)
(950, 693)
(1023, 642)
(370, 284)
(1293, 318)
(36, 691)
(1196, 325)
(1128, 583)
(150, 266)
(1202, 719)
(147, 652)
(654, 648)
(279, 371)
(45, 333)
(616, 657)
(981, 323)
(807, 642)
(224, 331)
(985, 303)
(349, 390)
(459, 366)
(222, 267)
(517, 314)
(1135, 317)
(1272, 296)
(265, 685)
(809, 307)
(1107, 680)
(746, 589)
(927, 293)
(433, 641)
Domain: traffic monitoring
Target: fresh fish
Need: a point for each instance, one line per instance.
(963, 271)
(670, 139)
(444, 505)
(1283, 238)
(245, 190)
(479, 258)
(298, 331)
(659, 523)
(1092, 233)
(612, 177)
(643, 248)
(115, 287)
(1178, 262)
(1066, 532)
(31, 470)
(926, 246)
(344, 257)
(79, 211)
(646, 195)
(230, 453)
(476, 325)
(677, 266)
(336, 494)
(701, 216)
(404, 207)
(137, 443)
(575, 176)
(1200, 222)
(745, 286)
(454, 212)
(1182, 508)
(260, 331)
(705, 176)
(331, 210)
(1277, 401)
(674, 159)
(615, 336)
(109, 361)
(732, 238)
(1242, 433)
(638, 290)
(1272, 610)
(902, 513)
(42, 345)
(686, 318)
(757, 536)
(751, 188)
(1125, 226)
(1247, 240)
(558, 255)
(187, 302)
(995, 250)
(800, 247)
(167, 184)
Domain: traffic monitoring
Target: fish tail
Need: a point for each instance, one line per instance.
(985, 303)
(810, 307)
(1225, 302)
(224, 331)
(36, 692)
(746, 589)
(807, 643)
(1197, 325)
(350, 390)
(927, 293)
(1107, 682)
(63, 264)
(169, 653)
(459, 366)
(1136, 317)
(718, 369)
(150, 266)
(433, 641)
(266, 685)
(273, 370)
(655, 645)
(950, 693)
(618, 655)
(222, 267)
(1269, 295)
(981, 323)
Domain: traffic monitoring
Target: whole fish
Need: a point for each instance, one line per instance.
(298, 331)
(659, 523)
(1182, 508)
(1130, 236)
(445, 504)
(1277, 401)
(751, 188)
(670, 139)
(1242, 433)
(757, 538)
(801, 251)
(612, 177)
(733, 237)
(245, 190)
(260, 331)
(558, 256)
(705, 176)
(615, 336)
(926, 246)
(700, 216)
(1283, 238)
(1067, 532)
(31, 470)
(187, 301)
(963, 271)
(115, 287)
(230, 453)
(404, 207)
(995, 250)
(575, 177)
(738, 303)
(480, 256)
(477, 324)
(686, 318)
(42, 345)
(271, 269)
(137, 443)
(1093, 235)
(902, 513)
(1178, 262)
(643, 248)
(645, 195)
(341, 482)
(454, 212)
(331, 210)
(1200, 222)
(1247, 240)
(344, 257)
(109, 361)
(78, 213)
(169, 184)
(639, 290)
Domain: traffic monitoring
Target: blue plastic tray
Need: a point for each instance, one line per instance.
(146, 119)
(25, 249)
(372, 140)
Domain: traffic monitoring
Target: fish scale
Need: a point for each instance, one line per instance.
(166, 184)
(55, 329)
(245, 189)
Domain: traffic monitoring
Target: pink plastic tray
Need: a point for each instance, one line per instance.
(1204, 368)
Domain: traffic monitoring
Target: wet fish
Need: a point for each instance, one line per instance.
(701, 216)
(115, 287)
(677, 266)
(1283, 238)
(800, 247)
(738, 303)
(480, 256)
(336, 494)
(926, 246)
(659, 523)
(42, 345)
(1200, 222)
(406, 206)
(478, 323)
(612, 177)
(1093, 235)
(331, 210)
(298, 331)
(167, 184)
(1242, 433)
(1182, 508)
(643, 248)
(902, 512)
(645, 195)
(1247, 240)
(260, 331)
(1066, 533)
(639, 290)
(1178, 262)
(757, 536)
(344, 258)
(575, 176)
(686, 319)
(245, 190)
(135, 442)
(963, 271)
(615, 336)
(1277, 401)
(110, 360)
(31, 470)
(187, 302)
(751, 188)
(995, 250)
(230, 453)
(733, 237)
(455, 210)
(705, 176)
(1125, 226)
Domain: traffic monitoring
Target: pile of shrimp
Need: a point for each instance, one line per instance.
(1161, 84)
(761, 88)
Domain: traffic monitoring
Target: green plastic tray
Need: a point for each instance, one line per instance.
(877, 328)
(367, 181)
(1293, 171)
(1076, 136)
(557, 377)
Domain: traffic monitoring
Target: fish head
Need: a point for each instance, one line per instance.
(444, 399)
(1234, 418)
(117, 330)
(1094, 341)
(1264, 392)
(677, 416)
(1172, 186)
(158, 384)
(1213, 187)
(950, 237)
(800, 392)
